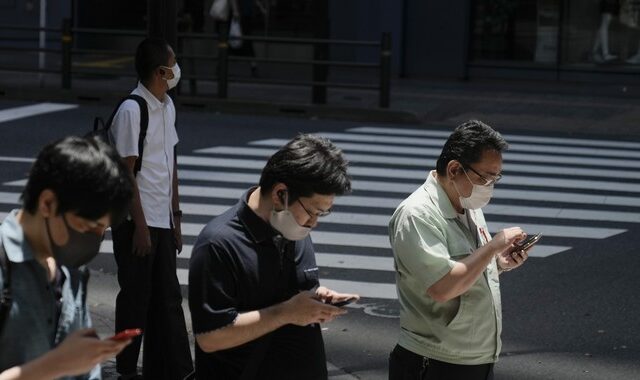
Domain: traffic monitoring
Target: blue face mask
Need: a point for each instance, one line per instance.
(81, 247)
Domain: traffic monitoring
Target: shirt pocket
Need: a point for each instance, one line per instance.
(308, 278)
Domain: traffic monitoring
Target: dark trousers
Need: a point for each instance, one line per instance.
(150, 299)
(406, 365)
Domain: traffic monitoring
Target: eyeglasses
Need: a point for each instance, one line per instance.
(487, 182)
(319, 214)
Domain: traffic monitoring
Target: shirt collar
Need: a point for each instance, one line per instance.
(439, 196)
(259, 230)
(152, 101)
(15, 245)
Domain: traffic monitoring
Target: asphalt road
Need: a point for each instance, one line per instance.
(570, 313)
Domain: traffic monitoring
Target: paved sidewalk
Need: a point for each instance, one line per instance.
(101, 299)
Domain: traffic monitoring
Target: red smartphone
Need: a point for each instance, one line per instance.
(126, 334)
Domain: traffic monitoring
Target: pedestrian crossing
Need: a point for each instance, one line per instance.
(569, 189)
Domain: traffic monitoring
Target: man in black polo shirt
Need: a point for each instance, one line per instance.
(254, 295)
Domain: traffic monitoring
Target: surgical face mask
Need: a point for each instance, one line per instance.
(176, 76)
(81, 247)
(480, 195)
(285, 223)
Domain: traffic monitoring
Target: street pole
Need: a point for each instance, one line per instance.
(162, 18)
(42, 40)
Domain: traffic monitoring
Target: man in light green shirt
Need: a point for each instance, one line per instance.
(447, 264)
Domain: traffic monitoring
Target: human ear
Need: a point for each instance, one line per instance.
(47, 203)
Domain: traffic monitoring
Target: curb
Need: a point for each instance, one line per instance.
(235, 106)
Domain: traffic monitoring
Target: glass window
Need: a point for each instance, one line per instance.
(602, 34)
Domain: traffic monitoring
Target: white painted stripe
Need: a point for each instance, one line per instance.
(215, 176)
(508, 137)
(9, 198)
(417, 174)
(552, 213)
(426, 163)
(364, 289)
(541, 250)
(579, 232)
(543, 212)
(416, 141)
(408, 188)
(16, 159)
(338, 260)
(235, 163)
(391, 203)
(435, 152)
(33, 110)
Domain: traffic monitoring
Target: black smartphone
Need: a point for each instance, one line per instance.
(344, 303)
(528, 242)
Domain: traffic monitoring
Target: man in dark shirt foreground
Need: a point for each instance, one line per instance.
(254, 293)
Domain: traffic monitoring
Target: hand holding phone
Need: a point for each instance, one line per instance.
(126, 334)
(345, 302)
(528, 242)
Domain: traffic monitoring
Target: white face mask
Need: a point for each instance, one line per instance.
(480, 195)
(285, 223)
(176, 76)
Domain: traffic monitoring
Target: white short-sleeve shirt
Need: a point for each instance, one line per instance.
(156, 174)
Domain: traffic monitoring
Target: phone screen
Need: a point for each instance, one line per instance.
(529, 242)
(344, 303)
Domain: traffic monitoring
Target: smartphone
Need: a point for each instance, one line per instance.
(126, 334)
(528, 242)
(344, 303)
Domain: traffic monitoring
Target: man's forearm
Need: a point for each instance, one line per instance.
(463, 275)
(39, 368)
(247, 327)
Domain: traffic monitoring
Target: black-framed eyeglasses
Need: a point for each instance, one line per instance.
(319, 214)
(487, 181)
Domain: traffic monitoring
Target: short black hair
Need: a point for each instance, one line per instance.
(308, 165)
(467, 143)
(151, 54)
(88, 177)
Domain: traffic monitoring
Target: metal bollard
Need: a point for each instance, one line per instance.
(223, 61)
(67, 39)
(385, 70)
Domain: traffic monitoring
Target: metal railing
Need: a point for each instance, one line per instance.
(318, 81)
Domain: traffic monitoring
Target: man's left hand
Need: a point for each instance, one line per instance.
(511, 258)
(177, 234)
(330, 296)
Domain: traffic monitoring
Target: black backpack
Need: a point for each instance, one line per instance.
(103, 131)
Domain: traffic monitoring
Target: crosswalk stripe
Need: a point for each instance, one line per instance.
(33, 110)
(417, 174)
(541, 212)
(509, 155)
(408, 188)
(437, 142)
(508, 137)
(424, 163)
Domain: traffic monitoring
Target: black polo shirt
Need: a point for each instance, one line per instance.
(239, 264)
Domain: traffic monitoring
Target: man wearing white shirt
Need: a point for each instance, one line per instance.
(145, 246)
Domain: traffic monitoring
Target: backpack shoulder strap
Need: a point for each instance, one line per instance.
(144, 125)
(6, 300)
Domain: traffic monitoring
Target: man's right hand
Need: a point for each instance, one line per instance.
(305, 308)
(81, 351)
(504, 239)
(141, 240)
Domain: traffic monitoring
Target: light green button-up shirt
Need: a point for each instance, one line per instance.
(427, 239)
